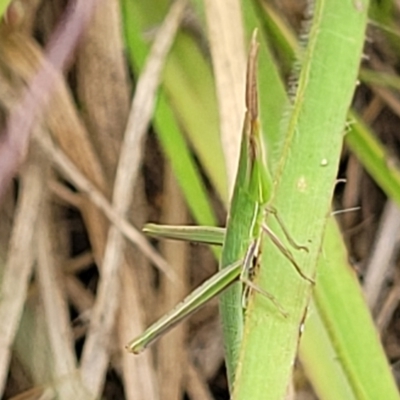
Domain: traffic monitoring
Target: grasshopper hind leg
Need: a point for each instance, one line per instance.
(286, 252)
(250, 261)
(249, 285)
(274, 212)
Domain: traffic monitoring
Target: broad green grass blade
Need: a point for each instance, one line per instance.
(318, 353)
(304, 187)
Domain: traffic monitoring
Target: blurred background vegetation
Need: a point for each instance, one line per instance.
(82, 73)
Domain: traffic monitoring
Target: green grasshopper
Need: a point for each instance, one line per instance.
(241, 240)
